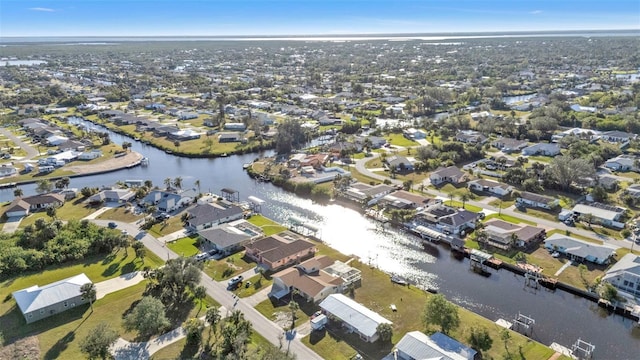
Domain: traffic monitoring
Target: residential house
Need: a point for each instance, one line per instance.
(308, 279)
(376, 141)
(7, 170)
(204, 216)
(509, 145)
(55, 140)
(402, 199)
(71, 145)
(625, 275)
(229, 137)
(37, 303)
(354, 316)
(529, 199)
(230, 237)
(169, 201)
(450, 174)
(618, 136)
(447, 219)
(90, 155)
(280, 250)
(470, 137)
(579, 250)
(506, 236)
(362, 192)
(490, 186)
(184, 135)
(414, 134)
(416, 345)
(43, 201)
(112, 195)
(235, 126)
(316, 161)
(605, 215)
(399, 163)
(17, 208)
(633, 190)
(608, 182)
(544, 149)
(622, 163)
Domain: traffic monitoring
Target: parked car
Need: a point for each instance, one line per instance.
(112, 225)
(202, 256)
(235, 281)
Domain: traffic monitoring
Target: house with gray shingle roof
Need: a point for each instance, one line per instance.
(418, 345)
(579, 250)
(543, 149)
(625, 275)
(37, 303)
(449, 174)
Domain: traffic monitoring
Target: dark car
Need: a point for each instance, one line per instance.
(112, 225)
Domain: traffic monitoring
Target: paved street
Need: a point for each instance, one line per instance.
(219, 292)
(28, 148)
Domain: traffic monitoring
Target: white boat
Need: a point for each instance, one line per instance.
(144, 161)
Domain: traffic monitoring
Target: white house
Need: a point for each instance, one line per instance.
(490, 186)
(625, 275)
(603, 214)
(621, 163)
(579, 250)
(536, 200)
(417, 345)
(354, 316)
(7, 170)
(56, 140)
(90, 155)
(542, 149)
(18, 208)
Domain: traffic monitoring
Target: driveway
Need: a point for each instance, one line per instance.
(12, 224)
(121, 282)
(31, 152)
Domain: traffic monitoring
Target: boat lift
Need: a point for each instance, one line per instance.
(231, 195)
(255, 204)
(300, 226)
(582, 349)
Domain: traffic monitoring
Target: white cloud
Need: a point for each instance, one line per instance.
(41, 9)
(536, 12)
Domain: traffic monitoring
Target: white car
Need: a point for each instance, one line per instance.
(234, 281)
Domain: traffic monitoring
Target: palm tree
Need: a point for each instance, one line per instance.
(212, 317)
(177, 182)
(293, 306)
(199, 293)
(464, 197)
(167, 183)
(18, 192)
(197, 184)
(88, 291)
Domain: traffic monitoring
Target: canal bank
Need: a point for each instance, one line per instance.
(560, 317)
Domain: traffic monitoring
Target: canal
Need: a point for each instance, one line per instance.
(560, 317)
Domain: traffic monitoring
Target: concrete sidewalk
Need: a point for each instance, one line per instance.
(121, 282)
(173, 236)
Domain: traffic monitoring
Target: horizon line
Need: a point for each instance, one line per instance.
(329, 34)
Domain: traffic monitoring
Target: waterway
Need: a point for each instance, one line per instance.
(510, 100)
(560, 317)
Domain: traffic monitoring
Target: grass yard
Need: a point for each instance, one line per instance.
(467, 206)
(271, 308)
(571, 275)
(186, 246)
(120, 214)
(167, 227)
(551, 216)
(363, 178)
(236, 264)
(97, 268)
(502, 203)
(258, 283)
(576, 236)
(71, 210)
(508, 218)
(400, 140)
(268, 226)
(60, 335)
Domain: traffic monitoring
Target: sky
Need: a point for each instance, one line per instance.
(307, 17)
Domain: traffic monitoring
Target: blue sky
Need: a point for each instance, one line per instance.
(304, 17)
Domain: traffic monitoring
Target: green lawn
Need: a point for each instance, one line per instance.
(551, 216)
(258, 283)
(186, 246)
(502, 203)
(508, 218)
(120, 214)
(167, 227)
(467, 206)
(400, 140)
(268, 226)
(71, 210)
(236, 264)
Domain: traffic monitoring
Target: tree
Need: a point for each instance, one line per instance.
(609, 292)
(141, 252)
(505, 336)
(86, 192)
(43, 186)
(173, 280)
(18, 192)
(564, 170)
(176, 144)
(177, 182)
(147, 317)
(51, 212)
(464, 197)
(167, 183)
(100, 338)
(293, 306)
(385, 330)
(213, 317)
(199, 293)
(197, 185)
(193, 329)
(63, 183)
(88, 291)
(480, 339)
(126, 146)
(440, 312)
